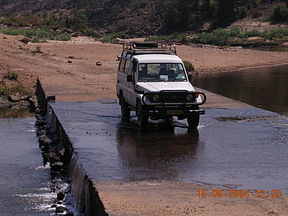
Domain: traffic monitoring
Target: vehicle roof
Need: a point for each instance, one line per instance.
(157, 58)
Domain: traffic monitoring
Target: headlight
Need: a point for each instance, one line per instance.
(156, 98)
(190, 98)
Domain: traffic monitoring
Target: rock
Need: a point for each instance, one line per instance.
(119, 40)
(75, 34)
(40, 122)
(62, 152)
(57, 166)
(5, 103)
(254, 38)
(25, 40)
(24, 103)
(14, 98)
(60, 196)
(98, 63)
(16, 107)
(61, 209)
(54, 157)
(42, 140)
(25, 97)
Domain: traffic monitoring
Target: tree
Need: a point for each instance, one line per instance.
(226, 13)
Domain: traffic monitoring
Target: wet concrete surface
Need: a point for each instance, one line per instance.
(245, 147)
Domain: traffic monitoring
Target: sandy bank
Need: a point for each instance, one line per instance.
(69, 71)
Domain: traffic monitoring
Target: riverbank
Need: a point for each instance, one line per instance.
(69, 71)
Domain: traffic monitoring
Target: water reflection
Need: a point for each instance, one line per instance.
(263, 87)
(156, 154)
(15, 113)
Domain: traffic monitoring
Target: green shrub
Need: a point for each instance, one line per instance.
(218, 37)
(136, 5)
(110, 38)
(10, 75)
(37, 35)
(222, 37)
(19, 88)
(253, 33)
(176, 37)
(64, 37)
(280, 14)
(38, 49)
(189, 66)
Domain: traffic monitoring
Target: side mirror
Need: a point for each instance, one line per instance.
(189, 77)
(129, 78)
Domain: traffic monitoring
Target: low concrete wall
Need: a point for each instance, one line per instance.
(58, 151)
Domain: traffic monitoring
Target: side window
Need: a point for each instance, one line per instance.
(122, 65)
(127, 64)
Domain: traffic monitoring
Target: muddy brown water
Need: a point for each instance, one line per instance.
(265, 88)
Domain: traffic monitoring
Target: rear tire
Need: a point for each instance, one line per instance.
(142, 117)
(125, 111)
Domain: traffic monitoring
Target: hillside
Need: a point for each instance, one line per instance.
(136, 18)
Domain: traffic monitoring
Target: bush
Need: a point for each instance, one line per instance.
(64, 37)
(110, 38)
(13, 76)
(218, 37)
(37, 35)
(222, 37)
(176, 37)
(280, 14)
(19, 88)
(189, 66)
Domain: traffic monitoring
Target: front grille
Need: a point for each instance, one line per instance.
(173, 96)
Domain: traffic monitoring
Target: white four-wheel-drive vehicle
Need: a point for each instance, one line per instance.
(152, 81)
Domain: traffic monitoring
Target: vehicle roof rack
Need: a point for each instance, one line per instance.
(137, 48)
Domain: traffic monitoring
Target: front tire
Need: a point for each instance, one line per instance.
(125, 111)
(142, 117)
(193, 121)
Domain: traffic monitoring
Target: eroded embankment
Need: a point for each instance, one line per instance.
(57, 150)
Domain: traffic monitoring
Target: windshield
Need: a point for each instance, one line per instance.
(168, 72)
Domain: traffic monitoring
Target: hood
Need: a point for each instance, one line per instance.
(159, 86)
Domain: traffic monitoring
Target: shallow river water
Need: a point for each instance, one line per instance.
(24, 182)
(266, 88)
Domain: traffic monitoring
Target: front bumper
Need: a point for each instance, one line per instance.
(164, 112)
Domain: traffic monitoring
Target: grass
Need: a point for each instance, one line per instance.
(225, 37)
(230, 37)
(18, 88)
(36, 35)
